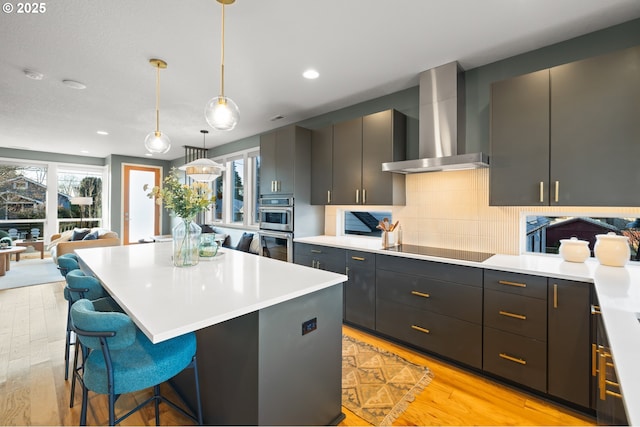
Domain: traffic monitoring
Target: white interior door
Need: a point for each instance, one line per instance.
(141, 214)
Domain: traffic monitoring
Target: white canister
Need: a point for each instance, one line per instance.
(574, 250)
(612, 249)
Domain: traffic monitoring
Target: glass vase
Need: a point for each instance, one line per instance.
(186, 242)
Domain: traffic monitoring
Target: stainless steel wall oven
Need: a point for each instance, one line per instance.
(276, 227)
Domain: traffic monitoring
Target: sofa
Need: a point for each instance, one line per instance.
(68, 242)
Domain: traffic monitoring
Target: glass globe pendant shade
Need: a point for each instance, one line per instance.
(157, 142)
(222, 113)
(203, 170)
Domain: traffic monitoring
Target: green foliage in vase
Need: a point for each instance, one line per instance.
(183, 200)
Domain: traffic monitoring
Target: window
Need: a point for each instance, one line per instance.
(73, 184)
(543, 233)
(364, 223)
(237, 190)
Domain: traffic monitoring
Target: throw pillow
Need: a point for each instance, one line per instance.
(245, 242)
(79, 234)
(91, 236)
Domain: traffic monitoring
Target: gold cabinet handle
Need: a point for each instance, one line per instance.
(515, 316)
(316, 251)
(364, 196)
(420, 294)
(420, 329)
(602, 386)
(328, 196)
(594, 359)
(595, 309)
(506, 282)
(513, 359)
(358, 258)
(357, 196)
(557, 190)
(555, 295)
(541, 192)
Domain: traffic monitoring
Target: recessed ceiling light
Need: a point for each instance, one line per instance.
(311, 74)
(102, 132)
(148, 154)
(74, 84)
(34, 75)
(84, 151)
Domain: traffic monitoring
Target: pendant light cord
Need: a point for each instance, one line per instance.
(222, 57)
(158, 98)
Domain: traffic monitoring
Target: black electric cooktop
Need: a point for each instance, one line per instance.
(441, 252)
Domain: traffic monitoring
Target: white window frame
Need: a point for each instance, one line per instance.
(250, 185)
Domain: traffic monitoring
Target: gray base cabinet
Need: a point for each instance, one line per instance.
(569, 341)
(515, 328)
(322, 257)
(434, 306)
(360, 290)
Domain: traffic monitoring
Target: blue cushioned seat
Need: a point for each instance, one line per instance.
(67, 263)
(119, 358)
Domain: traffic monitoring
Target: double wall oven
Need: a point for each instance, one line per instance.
(276, 227)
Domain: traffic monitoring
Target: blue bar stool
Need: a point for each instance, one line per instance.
(67, 263)
(119, 359)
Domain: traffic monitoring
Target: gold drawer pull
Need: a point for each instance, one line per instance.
(613, 393)
(420, 294)
(515, 316)
(595, 309)
(421, 329)
(316, 251)
(594, 355)
(506, 282)
(358, 258)
(513, 359)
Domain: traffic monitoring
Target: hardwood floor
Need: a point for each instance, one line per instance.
(33, 390)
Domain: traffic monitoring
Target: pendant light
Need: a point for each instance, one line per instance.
(157, 141)
(221, 112)
(203, 169)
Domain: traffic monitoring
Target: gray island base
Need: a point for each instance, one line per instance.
(281, 365)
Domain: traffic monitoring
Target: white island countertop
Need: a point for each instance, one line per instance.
(617, 288)
(167, 301)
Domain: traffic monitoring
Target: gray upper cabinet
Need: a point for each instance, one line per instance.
(347, 162)
(321, 165)
(519, 172)
(284, 156)
(358, 149)
(568, 136)
(595, 130)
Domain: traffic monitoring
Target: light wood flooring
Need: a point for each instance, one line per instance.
(33, 390)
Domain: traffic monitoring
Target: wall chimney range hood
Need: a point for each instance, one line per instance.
(442, 125)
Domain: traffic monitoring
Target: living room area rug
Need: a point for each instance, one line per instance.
(27, 272)
(378, 385)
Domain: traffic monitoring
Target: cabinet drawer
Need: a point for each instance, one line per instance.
(516, 283)
(317, 256)
(446, 298)
(436, 270)
(514, 313)
(446, 336)
(361, 259)
(517, 358)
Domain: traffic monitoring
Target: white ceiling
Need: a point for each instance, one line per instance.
(363, 49)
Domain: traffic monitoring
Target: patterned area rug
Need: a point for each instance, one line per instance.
(378, 385)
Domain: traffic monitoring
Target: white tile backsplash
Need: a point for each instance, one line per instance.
(451, 210)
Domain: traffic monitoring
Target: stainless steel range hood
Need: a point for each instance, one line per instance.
(442, 125)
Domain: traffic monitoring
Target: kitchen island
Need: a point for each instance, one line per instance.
(269, 332)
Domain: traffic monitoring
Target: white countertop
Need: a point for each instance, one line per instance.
(618, 290)
(167, 301)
